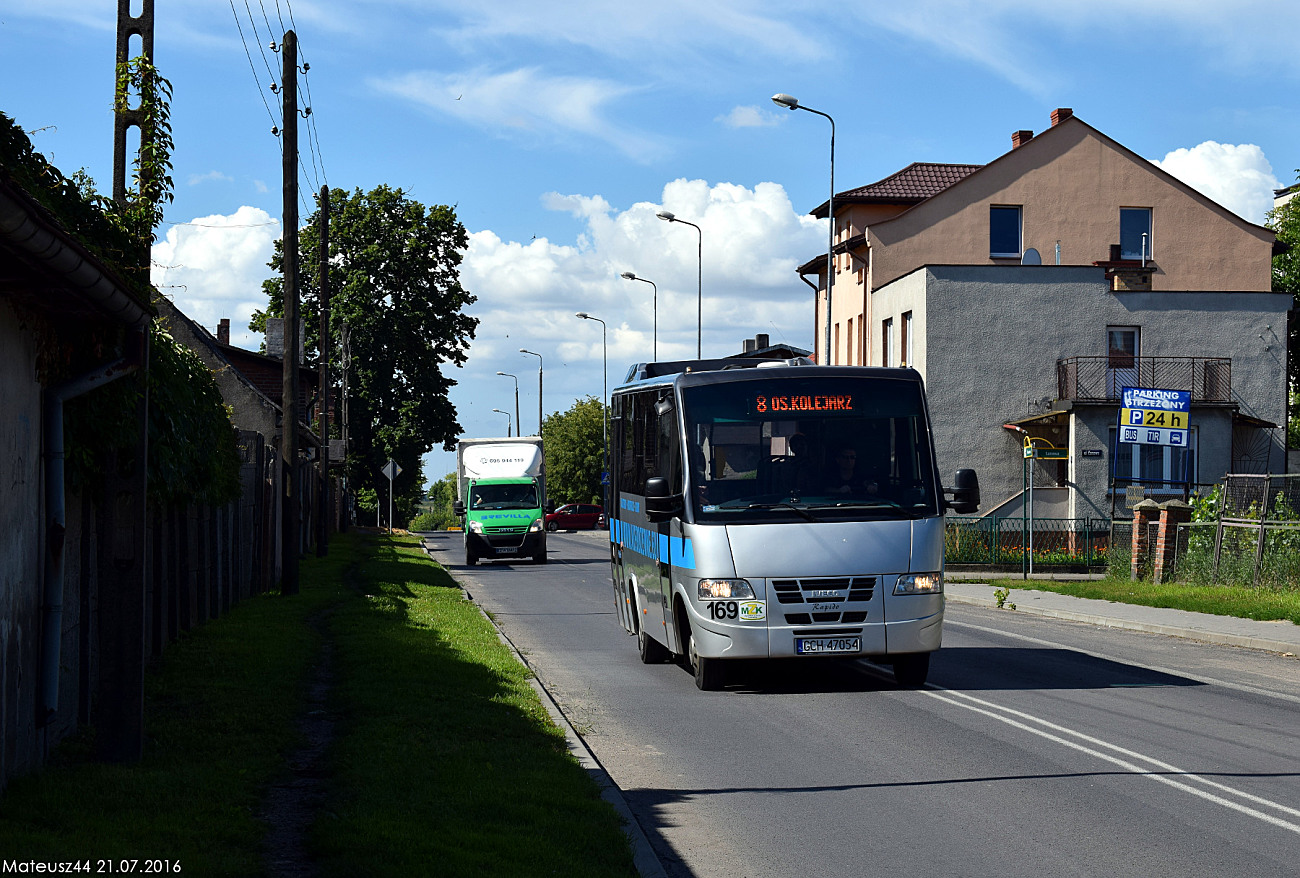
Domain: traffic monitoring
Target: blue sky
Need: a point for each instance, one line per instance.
(558, 129)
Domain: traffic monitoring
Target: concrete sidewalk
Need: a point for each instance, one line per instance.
(1283, 637)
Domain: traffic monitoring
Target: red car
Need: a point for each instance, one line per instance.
(576, 516)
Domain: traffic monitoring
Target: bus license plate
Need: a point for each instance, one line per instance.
(823, 645)
(508, 550)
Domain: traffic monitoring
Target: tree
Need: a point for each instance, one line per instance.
(575, 452)
(395, 282)
(1285, 220)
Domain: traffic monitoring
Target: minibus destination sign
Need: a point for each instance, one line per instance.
(815, 402)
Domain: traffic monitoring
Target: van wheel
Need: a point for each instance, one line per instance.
(911, 670)
(470, 559)
(652, 651)
(539, 558)
(710, 674)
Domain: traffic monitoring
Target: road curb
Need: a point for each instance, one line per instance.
(644, 857)
(1200, 634)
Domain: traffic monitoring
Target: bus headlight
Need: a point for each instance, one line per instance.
(919, 583)
(710, 589)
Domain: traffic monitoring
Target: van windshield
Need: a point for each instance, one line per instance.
(517, 496)
(814, 448)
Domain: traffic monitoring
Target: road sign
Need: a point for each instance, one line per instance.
(1151, 416)
(391, 469)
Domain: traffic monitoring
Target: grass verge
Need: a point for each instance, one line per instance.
(1263, 603)
(445, 762)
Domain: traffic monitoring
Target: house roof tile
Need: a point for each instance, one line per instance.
(916, 182)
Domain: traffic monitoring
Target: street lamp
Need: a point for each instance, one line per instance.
(539, 386)
(507, 414)
(517, 421)
(791, 103)
(669, 216)
(604, 420)
(627, 275)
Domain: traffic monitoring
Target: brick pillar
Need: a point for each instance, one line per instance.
(1143, 514)
(1172, 514)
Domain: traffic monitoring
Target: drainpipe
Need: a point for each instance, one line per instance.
(815, 290)
(56, 529)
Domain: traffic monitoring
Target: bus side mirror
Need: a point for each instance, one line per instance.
(965, 492)
(458, 509)
(660, 503)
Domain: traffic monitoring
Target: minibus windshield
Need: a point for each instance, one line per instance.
(808, 449)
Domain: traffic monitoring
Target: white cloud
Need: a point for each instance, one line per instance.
(525, 102)
(210, 176)
(1238, 177)
(749, 117)
(752, 240)
(214, 266)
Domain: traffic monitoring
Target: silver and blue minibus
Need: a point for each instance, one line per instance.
(767, 509)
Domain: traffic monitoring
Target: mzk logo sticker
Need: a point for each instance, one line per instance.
(753, 611)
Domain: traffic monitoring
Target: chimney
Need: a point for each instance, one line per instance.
(1020, 138)
(275, 337)
(749, 346)
(1060, 114)
(223, 330)
(762, 341)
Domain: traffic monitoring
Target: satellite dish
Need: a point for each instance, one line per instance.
(1031, 257)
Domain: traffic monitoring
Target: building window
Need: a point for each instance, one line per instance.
(886, 330)
(835, 357)
(849, 360)
(905, 347)
(1004, 232)
(1135, 233)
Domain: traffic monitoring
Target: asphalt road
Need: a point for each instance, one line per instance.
(1039, 747)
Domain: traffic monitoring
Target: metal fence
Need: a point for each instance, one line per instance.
(1024, 543)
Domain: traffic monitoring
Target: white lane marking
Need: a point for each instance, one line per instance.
(1129, 766)
(1240, 687)
(988, 708)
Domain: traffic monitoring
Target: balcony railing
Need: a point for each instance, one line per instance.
(1209, 379)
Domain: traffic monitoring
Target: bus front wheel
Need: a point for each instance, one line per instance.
(911, 670)
(710, 674)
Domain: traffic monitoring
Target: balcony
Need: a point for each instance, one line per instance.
(1100, 379)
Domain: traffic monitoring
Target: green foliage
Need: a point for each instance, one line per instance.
(437, 514)
(1285, 220)
(1001, 595)
(394, 281)
(575, 452)
(191, 442)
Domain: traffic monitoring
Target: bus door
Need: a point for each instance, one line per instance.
(648, 447)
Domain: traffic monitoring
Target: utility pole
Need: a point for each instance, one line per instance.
(119, 629)
(323, 531)
(292, 495)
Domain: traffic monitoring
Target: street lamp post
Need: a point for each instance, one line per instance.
(517, 421)
(509, 432)
(604, 402)
(627, 275)
(539, 386)
(669, 216)
(791, 103)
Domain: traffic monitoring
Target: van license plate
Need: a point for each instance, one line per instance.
(823, 645)
(508, 550)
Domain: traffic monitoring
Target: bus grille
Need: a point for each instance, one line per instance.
(822, 591)
(825, 591)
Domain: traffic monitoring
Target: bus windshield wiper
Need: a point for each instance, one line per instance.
(798, 510)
